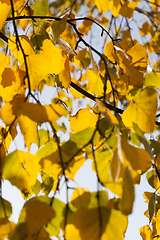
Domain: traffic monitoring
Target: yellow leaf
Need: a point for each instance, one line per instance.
(75, 93)
(16, 51)
(115, 6)
(142, 111)
(128, 193)
(21, 169)
(103, 160)
(28, 129)
(139, 61)
(38, 214)
(49, 60)
(158, 222)
(64, 75)
(95, 83)
(152, 79)
(145, 29)
(11, 83)
(6, 228)
(4, 62)
(128, 8)
(111, 119)
(85, 27)
(41, 113)
(36, 112)
(139, 160)
(5, 8)
(83, 119)
(103, 6)
(85, 225)
(115, 167)
(146, 233)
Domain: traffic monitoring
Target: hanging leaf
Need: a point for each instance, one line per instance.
(151, 207)
(142, 111)
(21, 169)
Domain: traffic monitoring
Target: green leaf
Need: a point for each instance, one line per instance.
(150, 176)
(151, 207)
(5, 208)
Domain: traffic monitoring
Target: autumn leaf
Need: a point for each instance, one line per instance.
(86, 116)
(21, 169)
(142, 111)
(36, 218)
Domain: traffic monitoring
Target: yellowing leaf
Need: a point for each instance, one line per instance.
(84, 58)
(115, 167)
(53, 165)
(152, 79)
(11, 83)
(128, 8)
(21, 169)
(38, 214)
(83, 119)
(107, 113)
(6, 228)
(5, 208)
(58, 28)
(146, 233)
(36, 112)
(49, 60)
(103, 160)
(158, 222)
(103, 6)
(139, 61)
(128, 193)
(64, 75)
(16, 50)
(5, 8)
(28, 129)
(115, 6)
(53, 228)
(84, 225)
(139, 158)
(142, 111)
(95, 83)
(85, 27)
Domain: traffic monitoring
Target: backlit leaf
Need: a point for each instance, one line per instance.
(95, 83)
(146, 233)
(128, 193)
(21, 169)
(16, 50)
(158, 222)
(38, 214)
(142, 111)
(49, 60)
(152, 79)
(53, 228)
(103, 6)
(5, 208)
(28, 129)
(85, 224)
(6, 228)
(84, 118)
(36, 112)
(107, 113)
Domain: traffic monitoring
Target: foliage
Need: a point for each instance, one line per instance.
(45, 48)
